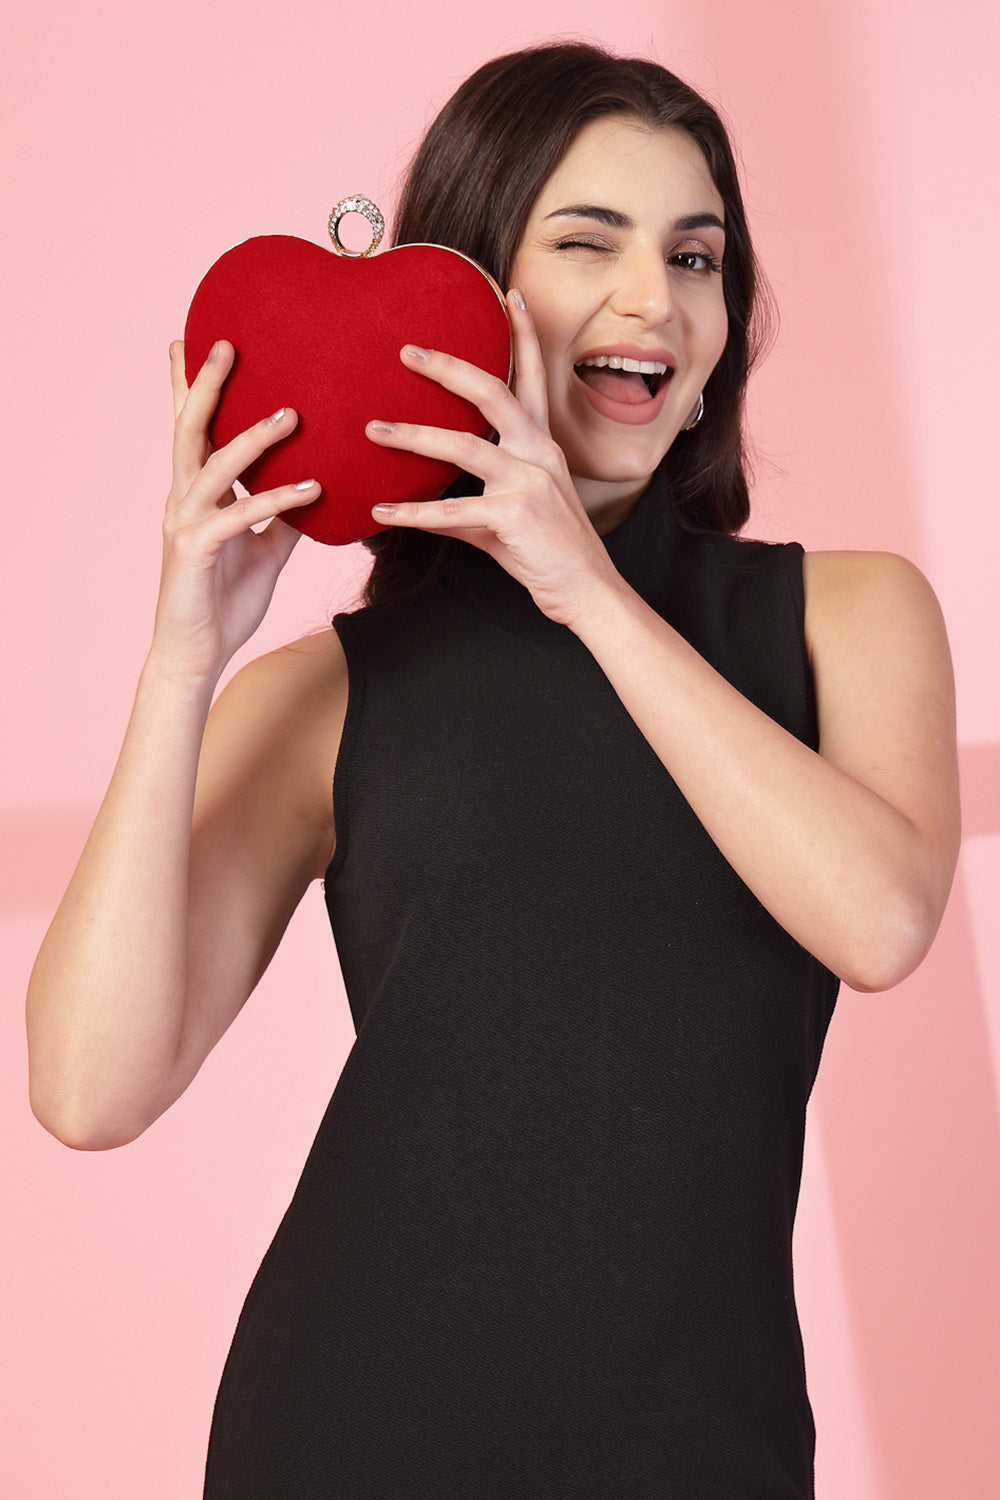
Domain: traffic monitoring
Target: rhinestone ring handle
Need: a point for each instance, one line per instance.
(356, 204)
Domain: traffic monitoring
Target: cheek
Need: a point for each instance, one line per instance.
(550, 336)
(557, 313)
(716, 333)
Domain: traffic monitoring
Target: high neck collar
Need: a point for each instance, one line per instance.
(641, 547)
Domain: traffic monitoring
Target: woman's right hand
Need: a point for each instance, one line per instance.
(201, 849)
(218, 574)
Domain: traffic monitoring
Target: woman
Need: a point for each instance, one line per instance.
(618, 799)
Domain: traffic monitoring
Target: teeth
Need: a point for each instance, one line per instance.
(619, 362)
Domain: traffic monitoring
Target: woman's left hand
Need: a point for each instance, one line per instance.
(850, 849)
(529, 516)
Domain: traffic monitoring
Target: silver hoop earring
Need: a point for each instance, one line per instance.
(699, 412)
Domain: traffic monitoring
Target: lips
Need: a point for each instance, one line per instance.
(622, 378)
(627, 384)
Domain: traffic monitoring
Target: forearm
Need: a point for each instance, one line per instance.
(842, 870)
(107, 995)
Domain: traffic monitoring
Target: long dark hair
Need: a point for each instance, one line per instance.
(472, 185)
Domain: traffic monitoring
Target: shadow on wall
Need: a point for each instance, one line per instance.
(907, 1103)
(980, 790)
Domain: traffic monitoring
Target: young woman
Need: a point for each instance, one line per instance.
(618, 799)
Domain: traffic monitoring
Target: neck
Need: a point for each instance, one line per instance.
(608, 504)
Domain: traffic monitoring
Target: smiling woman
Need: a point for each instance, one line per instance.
(621, 265)
(618, 800)
(509, 130)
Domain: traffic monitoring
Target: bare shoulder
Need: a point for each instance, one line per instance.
(873, 618)
(841, 586)
(884, 685)
(297, 684)
(315, 662)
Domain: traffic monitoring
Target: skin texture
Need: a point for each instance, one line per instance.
(209, 836)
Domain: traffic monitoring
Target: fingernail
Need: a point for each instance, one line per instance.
(415, 352)
(517, 299)
(383, 510)
(276, 416)
(382, 426)
(171, 353)
(305, 484)
(212, 352)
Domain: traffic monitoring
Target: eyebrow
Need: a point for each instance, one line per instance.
(616, 220)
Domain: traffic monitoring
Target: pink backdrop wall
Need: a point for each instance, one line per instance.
(141, 143)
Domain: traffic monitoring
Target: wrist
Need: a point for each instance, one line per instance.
(596, 602)
(163, 672)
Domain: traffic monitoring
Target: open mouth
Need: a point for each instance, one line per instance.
(630, 381)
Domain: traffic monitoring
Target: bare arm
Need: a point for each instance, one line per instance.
(851, 849)
(160, 937)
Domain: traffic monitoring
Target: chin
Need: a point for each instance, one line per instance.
(635, 469)
(623, 457)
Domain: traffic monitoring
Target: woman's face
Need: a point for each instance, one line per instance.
(621, 259)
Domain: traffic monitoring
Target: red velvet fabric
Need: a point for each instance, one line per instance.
(322, 333)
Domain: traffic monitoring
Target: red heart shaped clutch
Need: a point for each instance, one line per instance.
(321, 333)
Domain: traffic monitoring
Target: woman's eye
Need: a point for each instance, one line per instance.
(696, 260)
(580, 245)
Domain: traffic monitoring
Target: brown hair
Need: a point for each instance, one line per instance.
(472, 185)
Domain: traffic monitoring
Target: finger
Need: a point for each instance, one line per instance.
(191, 443)
(203, 395)
(212, 483)
(268, 506)
(280, 538)
(451, 515)
(498, 404)
(530, 387)
(178, 380)
(463, 449)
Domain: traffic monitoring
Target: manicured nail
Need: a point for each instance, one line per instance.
(382, 427)
(415, 352)
(212, 352)
(171, 352)
(517, 299)
(383, 510)
(276, 416)
(305, 484)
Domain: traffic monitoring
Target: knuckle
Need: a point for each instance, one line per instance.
(183, 540)
(553, 461)
(188, 431)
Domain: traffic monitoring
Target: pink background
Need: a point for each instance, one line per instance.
(144, 142)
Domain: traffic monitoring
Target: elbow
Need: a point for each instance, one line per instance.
(887, 949)
(81, 1134)
(77, 1122)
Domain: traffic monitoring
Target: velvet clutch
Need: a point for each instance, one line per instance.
(321, 332)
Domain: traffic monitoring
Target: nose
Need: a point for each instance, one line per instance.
(644, 289)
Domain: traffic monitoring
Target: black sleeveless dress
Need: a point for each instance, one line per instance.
(542, 1244)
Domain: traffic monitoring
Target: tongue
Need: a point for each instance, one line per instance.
(616, 385)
